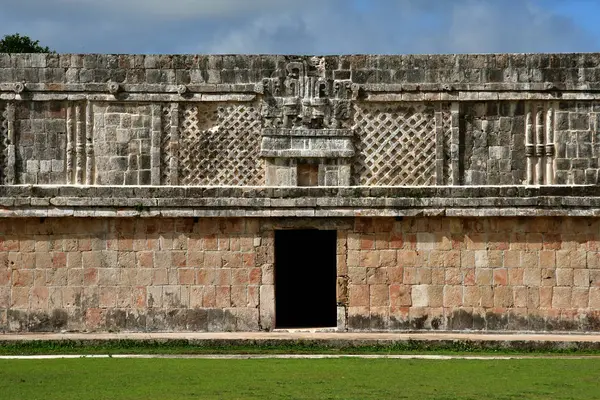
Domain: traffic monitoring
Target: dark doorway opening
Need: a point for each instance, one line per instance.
(305, 279)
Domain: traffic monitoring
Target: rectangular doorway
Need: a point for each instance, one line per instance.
(305, 279)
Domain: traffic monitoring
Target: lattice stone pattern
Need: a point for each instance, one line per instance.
(219, 145)
(166, 151)
(395, 145)
(3, 141)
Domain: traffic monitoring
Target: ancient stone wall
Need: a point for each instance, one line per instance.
(143, 192)
(217, 274)
(125, 274)
(474, 274)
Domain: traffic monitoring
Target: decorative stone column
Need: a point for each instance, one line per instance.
(539, 144)
(550, 150)
(529, 146)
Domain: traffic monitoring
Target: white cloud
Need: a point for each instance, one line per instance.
(297, 26)
(408, 26)
(185, 9)
(511, 26)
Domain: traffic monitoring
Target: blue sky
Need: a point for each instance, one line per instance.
(306, 26)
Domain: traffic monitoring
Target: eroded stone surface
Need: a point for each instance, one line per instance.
(251, 120)
(142, 192)
(216, 274)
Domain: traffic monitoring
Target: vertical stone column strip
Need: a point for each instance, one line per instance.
(439, 146)
(79, 145)
(70, 144)
(89, 144)
(155, 134)
(529, 146)
(539, 146)
(11, 150)
(550, 145)
(455, 145)
(174, 146)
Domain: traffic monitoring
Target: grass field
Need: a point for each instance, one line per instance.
(149, 379)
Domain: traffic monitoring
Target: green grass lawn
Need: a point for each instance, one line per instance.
(148, 379)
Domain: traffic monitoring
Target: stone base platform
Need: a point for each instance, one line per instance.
(526, 342)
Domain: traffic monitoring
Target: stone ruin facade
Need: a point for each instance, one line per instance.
(187, 192)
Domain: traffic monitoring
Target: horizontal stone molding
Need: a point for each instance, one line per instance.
(130, 97)
(480, 87)
(158, 96)
(307, 153)
(95, 201)
(464, 96)
(307, 132)
(132, 88)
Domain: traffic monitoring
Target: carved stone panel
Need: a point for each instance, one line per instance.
(395, 144)
(307, 143)
(307, 124)
(3, 142)
(219, 144)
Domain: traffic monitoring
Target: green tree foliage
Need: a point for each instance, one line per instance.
(21, 44)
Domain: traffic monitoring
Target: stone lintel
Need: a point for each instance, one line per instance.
(304, 132)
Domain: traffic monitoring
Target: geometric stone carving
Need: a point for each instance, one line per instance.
(396, 145)
(300, 96)
(219, 144)
(4, 142)
(539, 143)
(166, 153)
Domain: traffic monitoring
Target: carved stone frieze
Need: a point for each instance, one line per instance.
(307, 116)
(300, 96)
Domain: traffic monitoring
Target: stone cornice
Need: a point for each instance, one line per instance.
(95, 201)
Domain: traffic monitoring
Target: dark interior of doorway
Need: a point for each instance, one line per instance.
(305, 279)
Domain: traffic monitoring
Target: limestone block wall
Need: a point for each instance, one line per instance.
(217, 274)
(577, 130)
(41, 132)
(534, 274)
(493, 143)
(122, 144)
(136, 275)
